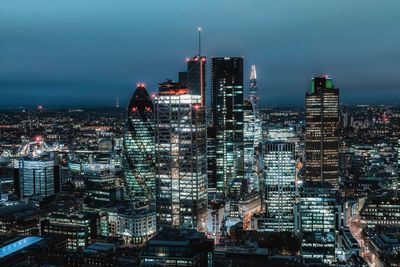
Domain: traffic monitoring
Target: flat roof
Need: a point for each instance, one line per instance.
(18, 245)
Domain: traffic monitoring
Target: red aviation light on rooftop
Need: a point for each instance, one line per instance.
(134, 109)
(177, 91)
(140, 85)
(148, 109)
(37, 138)
(203, 59)
(196, 106)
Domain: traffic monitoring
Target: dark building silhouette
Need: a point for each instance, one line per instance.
(196, 76)
(227, 108)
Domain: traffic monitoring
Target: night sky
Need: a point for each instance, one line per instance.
(88, 52)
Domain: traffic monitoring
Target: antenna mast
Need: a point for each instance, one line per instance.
(199, 30)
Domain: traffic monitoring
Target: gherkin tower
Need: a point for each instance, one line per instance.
(139, 172)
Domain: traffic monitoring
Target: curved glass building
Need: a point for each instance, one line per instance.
(139, 172)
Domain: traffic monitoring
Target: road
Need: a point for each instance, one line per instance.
(355, 228)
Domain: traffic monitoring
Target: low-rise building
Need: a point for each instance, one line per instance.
(175, 247)
(134, 224)
(78, 228)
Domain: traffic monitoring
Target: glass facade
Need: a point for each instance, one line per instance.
(316, 215)
(280, 192)
(249, 139)
(180, 138)
(227, 108)
(38, 176)
(139, 168)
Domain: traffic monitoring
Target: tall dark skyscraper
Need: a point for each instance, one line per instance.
(196, 76)
(227, 108)
(139, 168)
(322, 131)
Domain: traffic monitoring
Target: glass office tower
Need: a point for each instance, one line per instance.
(279, 178)
(315, 222)
(37, 175)
(139, 168)
(227, 108)
(180, 138)
(249, 139)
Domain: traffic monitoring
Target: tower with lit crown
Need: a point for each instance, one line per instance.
(322, 132)
(139, 168)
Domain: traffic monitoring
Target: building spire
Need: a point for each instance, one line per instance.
(253, 91)
(253, 74)
(199, 29)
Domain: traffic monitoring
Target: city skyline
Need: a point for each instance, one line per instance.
(267, 144)
(87, 59)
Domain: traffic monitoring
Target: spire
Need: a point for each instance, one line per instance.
(199, 29)
(253, 91)
(253, 74)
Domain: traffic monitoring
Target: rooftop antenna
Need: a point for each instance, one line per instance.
(199, 29)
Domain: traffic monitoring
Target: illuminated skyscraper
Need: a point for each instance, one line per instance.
(398, 165)
(248, 138)
(254, 99)
(180, 138)
(315, 219)
(211, 161)
(227, 108)
(322, 131)
(37, 170)
(280, 173)
(139, 169)
(253, 90)
(37, 175)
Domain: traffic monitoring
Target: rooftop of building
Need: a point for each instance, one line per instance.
(19, 210)
(18, 244)
(241, 249)
(175, 237)
(100, 248)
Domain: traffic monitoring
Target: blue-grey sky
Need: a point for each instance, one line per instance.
(88, 52)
